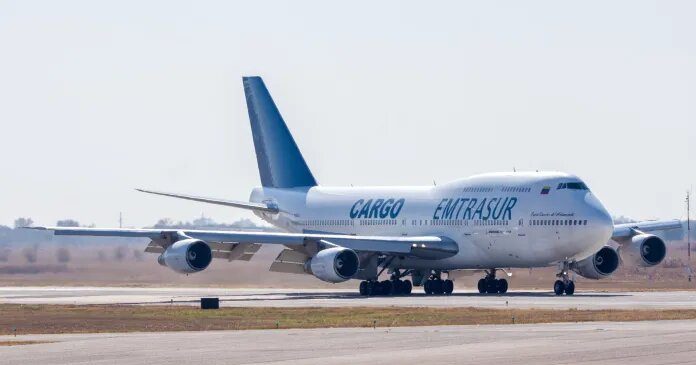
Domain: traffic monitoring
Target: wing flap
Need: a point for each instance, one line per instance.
(292, 256)
(154, 248)
(287, 267)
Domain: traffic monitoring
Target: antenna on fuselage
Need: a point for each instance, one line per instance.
(434, 183)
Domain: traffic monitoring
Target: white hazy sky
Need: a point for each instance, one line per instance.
(97, 98)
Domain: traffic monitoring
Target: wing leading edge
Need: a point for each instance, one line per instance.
(632, 229)
(426, 247)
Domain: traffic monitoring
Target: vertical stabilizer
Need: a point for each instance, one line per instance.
(281, 164)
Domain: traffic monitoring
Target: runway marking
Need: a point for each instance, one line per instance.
(344, 298)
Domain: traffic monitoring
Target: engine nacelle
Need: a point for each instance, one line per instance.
(186, 256)
(598, 266)
(643, 250)
(334, 265)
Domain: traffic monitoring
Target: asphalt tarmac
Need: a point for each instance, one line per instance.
(345, 298)
(659, 342)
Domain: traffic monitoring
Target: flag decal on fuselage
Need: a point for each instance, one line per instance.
(545, 190)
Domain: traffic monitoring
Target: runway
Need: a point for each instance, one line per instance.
(344, 298)
(659, 342)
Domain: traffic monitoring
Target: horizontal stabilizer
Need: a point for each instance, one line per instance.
(230, 203)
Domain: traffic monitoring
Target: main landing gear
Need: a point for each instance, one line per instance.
(491, 285)
(393, 286)
(435, 285)
(564, 284)
(386, 287)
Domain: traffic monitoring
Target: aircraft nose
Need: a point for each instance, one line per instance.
(600, 218)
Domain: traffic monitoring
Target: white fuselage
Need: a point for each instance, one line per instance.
(498, 220)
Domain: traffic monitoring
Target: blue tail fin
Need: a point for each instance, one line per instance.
(281, 164)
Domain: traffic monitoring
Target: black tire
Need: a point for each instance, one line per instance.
(482, 286)
(436, 286)
(406, 287)
(370, 288)
(363, 287)
(387, 287)
(448, 286)
(398, 287)
(502, 286)
(558, 287)
(492, 286)
(426, 287)
(570, 288)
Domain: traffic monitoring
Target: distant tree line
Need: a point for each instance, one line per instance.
(10, 237)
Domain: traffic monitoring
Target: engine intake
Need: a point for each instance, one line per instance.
(187, 256)
(598, 266)
(644, 250)
(334, 265)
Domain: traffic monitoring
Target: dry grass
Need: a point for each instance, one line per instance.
(18, 343)
(102, 318)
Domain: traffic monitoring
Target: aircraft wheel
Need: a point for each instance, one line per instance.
(482, 286)
(426, 287)
(370, 288)
(363, 287)
(492, 286)
(558, 287)
(406, 287)
(570, 288)
(387, 287)
(396, 287)
(437, 286)
(448, 286)
(502, 286)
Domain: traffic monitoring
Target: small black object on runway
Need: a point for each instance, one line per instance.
(210, 303)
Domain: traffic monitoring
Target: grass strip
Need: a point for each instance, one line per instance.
(34, 319)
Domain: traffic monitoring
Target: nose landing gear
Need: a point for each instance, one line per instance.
(564, 284)
(491, 285)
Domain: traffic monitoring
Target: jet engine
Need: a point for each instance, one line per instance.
(334, 265)
(598, 266)
(186, 256)
(643, 250)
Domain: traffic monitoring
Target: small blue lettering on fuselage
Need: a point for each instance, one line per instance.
(377, 208)
(472, 208)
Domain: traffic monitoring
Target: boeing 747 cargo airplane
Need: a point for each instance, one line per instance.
(485, 223)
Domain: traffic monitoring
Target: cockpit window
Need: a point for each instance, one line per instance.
(573, 186)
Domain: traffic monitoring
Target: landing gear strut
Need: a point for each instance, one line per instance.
(491, 285)
(393, 286)
(564, 284)
(435, 285)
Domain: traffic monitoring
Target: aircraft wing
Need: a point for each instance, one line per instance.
(426, 247)
(230, 203)
(632, 229)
